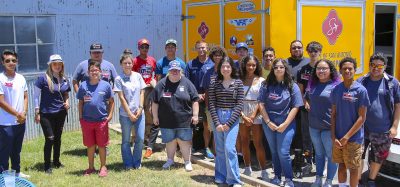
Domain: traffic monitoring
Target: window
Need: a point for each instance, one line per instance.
(32, 37)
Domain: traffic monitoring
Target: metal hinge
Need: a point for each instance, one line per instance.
(183, 17)
(265, 11)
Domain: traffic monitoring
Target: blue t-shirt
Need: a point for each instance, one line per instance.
(208, 73)
(194, 73)
(347, 102)
(278, 101)
(163, 66)
(108, 72)
(378, 114)
(95, 99)
(52, 102)
(319, 115)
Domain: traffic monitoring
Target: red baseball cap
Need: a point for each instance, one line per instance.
(143, 41)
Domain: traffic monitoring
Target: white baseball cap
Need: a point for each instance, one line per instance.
(55, 58)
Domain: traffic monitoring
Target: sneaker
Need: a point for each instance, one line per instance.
(276, 181)
(89, 172)
(237, 185)
(289, 183)
(103, 172)
(328, 183)
(148, 153)
(20, 174)
(209, 154)
(371, 183)
(168, 164)
(188, 166)
(58, 165)
(317, 182)
(48, 171)
(247, 171)
(264, 176)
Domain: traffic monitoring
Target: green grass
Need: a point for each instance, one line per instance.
(73, 156)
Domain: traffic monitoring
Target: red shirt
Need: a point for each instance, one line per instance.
(145, 67)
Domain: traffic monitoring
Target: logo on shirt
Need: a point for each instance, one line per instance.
(274, 96)
(305, 76)
(8, 84)
(349, 97)
(105, 73)
(167, 94)
(181, 88)
(145, 71)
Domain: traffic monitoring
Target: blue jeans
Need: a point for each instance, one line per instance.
(279, 144)
(132, 160)
(11, 138)
(323, 149)
(226, 162)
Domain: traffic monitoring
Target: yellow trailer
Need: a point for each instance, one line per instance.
(355, 28)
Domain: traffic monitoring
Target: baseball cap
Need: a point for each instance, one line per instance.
(242, 45)
(96, 47)
(174, 65)
(171, 41)
(143, 41)
(127, 51)
(54, 58)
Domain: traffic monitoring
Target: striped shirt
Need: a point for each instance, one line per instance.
(231, 97)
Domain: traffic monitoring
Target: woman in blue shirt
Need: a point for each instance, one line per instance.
(279, 101)
(51, 105)
(324, 78)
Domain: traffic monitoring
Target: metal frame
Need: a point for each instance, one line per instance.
(339, 3)
(394, 58)
(15, 44)
(203, 4)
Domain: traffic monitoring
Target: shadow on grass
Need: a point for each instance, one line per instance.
(157, 165)
(38, 167)
(76, 152)
(204, 179)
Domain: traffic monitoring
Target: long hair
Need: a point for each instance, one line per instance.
(243, 70)
(334, 75)
(234, 73)
(287, 79)
(50, 77)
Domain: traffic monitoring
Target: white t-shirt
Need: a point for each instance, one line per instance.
(130, 87)
(13, 91)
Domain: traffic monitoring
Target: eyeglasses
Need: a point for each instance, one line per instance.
(297, 47)
(322, 69)
(279, 67)
(379, 66)
(313, 51)
(144, 47)
(13, 60)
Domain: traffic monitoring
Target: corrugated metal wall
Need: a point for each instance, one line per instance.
(117, 24)
(34, 130)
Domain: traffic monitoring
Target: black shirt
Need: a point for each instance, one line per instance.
(175, 102)
(295, 65)
(304, 75)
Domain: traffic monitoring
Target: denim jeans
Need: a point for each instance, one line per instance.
(323, 150)
(132, 160)
(226, 162)
(279, 144)
(11, 138)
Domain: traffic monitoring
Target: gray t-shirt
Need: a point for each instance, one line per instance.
(130, 87)
(295, 65)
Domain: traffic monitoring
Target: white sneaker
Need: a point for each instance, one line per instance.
(317, 182)
(328, 183)
(264, 175)
(168, 164)
(188, 166)
(247, 171)
(237, 185)
(20, 174)
(289, 183)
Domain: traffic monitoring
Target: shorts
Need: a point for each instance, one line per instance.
(94, 133)
(350, 155)
(168, 135)
(380, 146)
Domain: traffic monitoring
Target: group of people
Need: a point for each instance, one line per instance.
(272, 102)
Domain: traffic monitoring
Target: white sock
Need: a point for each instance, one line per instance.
(342, 185)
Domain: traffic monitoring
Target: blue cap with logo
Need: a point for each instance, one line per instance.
(242, 45)
(174, 65)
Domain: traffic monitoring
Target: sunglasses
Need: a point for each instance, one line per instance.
(10, 60)
(379, 66)
(297, 47)
(144, 47)
(279, 67)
